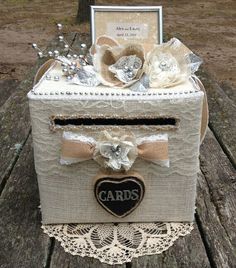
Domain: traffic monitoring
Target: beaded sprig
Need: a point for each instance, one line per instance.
(67, 55)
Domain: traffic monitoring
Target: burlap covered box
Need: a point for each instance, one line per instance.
(67, 191)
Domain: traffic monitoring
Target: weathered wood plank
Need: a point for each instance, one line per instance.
(186, 252)
(216, 203)
(7, 87)
(15, 122)
(222, 115)
(60, 258)
(229, 90)
(22, 242)
(14, 130)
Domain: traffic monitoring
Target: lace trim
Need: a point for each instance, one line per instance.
(77, 137)
(153, 138)
(117, 243)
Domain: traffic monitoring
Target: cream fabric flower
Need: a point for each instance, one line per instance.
(116, 150)
(117, 65)
(170, 64)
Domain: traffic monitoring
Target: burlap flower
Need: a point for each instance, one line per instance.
(119, 66)
(116, 150)
(170, 64)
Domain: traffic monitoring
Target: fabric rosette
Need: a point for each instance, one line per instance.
(170, 64)
(116, 150)
(117, 65)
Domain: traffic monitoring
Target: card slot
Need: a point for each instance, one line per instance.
(161, 121)
(99, 122)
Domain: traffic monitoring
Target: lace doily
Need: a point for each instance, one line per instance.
(117, 243)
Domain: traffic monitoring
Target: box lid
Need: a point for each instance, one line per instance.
(62, 89)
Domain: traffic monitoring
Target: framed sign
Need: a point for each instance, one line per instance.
(128, 23)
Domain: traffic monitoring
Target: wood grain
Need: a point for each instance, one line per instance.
(14, 130)
(216, 203)
(7, 87)
(22, 242)
(15, 122)
(222, 115)
(229, 90)
(186, 252)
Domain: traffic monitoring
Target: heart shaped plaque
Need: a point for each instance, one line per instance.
(119, 194)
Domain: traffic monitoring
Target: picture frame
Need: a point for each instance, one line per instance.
(142, 24)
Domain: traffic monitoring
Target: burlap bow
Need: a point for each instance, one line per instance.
(116, 150)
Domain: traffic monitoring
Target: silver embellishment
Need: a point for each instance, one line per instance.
(126, 68)
(86, 76)
(48, 77)
(167, 63)
(195, 62)
(141, 85)
(117, 154)
(59, 26)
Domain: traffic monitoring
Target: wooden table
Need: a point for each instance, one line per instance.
(212, 243)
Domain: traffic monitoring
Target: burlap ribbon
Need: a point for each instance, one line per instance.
(78, 148)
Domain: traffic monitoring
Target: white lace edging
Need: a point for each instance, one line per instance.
(117, 243)
(152, 138)
(68, 135)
